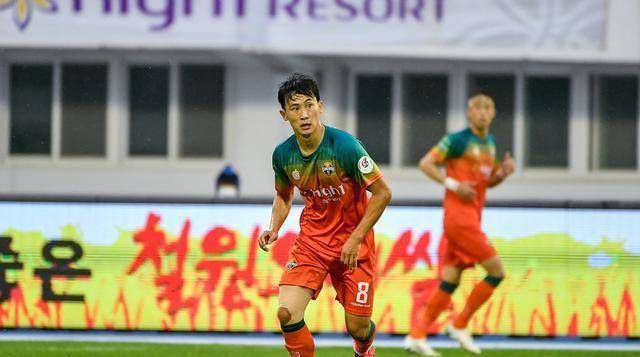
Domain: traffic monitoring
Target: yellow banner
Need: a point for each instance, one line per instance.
(213, 277)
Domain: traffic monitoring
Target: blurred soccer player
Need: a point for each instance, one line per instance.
(471, 167)
(332, 171)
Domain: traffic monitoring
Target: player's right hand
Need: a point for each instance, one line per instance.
(466, 191)
(266, 238)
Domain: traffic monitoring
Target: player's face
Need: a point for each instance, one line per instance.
(481, 112)
(303, 113)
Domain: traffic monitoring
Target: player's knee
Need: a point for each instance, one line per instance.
(494, 280)
(359, 330)
(284, 315)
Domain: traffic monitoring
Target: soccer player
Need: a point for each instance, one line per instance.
(471, 168)
(333, 173)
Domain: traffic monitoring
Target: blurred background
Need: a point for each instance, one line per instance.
(147, 104)
(156, 98)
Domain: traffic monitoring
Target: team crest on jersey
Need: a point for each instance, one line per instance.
(295, 174)
(365, 165)
(327, 168)
(290, 265)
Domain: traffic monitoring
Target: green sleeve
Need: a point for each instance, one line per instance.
(282, 182)
(358, 164)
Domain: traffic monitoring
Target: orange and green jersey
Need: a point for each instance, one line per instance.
(332, 181)
(467, 157)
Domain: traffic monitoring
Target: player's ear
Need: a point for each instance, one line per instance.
(320, 106)
(282, 114)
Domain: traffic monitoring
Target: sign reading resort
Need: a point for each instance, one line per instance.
(324, 25)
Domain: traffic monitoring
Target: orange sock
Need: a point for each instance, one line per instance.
(479, 295)
(438, 301)
(361, 347)
(298, 340)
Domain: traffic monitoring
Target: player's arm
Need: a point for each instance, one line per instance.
(506, 168)
(279, 212)
(281, 203)
(380, 198)
(430, 165)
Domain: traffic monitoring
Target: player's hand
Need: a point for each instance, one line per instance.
(350, 250)
(508, 165)
(466, 191)
(266, 238)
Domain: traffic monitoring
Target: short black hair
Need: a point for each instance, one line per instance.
(297, 83)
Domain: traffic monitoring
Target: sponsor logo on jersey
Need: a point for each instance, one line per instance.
(365, 165)
(290, 265)
(327, 168)
(295, 174)
(324, 192)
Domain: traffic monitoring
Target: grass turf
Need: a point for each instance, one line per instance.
(73, 349)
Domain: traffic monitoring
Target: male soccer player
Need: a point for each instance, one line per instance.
(471, 167)
(332, 171)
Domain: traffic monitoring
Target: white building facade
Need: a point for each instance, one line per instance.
(153, 98)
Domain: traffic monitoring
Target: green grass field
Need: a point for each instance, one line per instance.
(73, 349)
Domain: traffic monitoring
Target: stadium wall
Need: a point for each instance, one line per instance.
(251, 125)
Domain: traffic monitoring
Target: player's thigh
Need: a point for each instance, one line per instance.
(355, 288)
(295, 300)
(469, 241)
(306, 269)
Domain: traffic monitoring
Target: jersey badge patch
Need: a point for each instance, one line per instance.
(365, 165)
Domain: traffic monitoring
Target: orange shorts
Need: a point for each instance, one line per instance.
(464, 244)
(354, 288)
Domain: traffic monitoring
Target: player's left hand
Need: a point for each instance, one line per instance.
(349, 255)
(508, 165)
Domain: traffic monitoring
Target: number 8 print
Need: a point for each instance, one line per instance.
(363, 290)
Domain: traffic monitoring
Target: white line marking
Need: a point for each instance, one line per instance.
(321, 341)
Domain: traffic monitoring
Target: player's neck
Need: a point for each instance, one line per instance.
(309, 144)
(481, 133)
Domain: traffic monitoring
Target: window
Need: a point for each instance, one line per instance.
(614, 121)
(30, 114)
(60, 110)
(201, 110)
(84, 97)
(424, 112)
(148, 110)
(502, 89)
(546, 121)
(373, 114)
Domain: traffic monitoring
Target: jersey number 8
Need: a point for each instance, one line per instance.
(363, 292)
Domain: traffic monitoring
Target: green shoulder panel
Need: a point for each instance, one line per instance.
(353, 157)
(453, 145)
